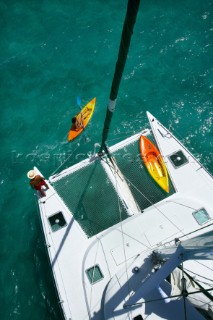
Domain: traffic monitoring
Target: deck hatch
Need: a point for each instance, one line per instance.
(57, 221)
(201, 216)
(139, 317)
(94, 274)
(178, 159)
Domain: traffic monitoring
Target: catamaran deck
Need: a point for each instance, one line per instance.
(93, 196)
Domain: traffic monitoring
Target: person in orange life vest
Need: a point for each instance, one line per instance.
(37, 181)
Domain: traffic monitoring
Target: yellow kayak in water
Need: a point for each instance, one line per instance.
(81, 120)
(154, 163)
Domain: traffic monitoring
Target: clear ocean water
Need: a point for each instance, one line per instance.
(53, 51)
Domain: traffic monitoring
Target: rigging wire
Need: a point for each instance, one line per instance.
(78, 145)
(164, 298)
(121, 134)
(203, 290)
(205, 266)
(187, 234)
(200, 275)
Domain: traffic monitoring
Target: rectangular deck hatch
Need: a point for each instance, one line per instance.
(201, 216)
(94, 274)
(178, 159)
(57, 221)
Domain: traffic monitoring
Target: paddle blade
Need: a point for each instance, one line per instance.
(78, 101)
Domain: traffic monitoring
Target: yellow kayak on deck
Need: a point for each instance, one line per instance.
(82, 120)
(154, 163)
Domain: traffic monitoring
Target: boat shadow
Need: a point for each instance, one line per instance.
(62, 242)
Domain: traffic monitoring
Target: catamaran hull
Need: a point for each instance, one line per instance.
(118, 256)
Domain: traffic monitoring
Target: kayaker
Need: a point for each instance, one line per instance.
(78, 122)
(37, 181)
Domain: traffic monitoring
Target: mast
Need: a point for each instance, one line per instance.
(131, 14)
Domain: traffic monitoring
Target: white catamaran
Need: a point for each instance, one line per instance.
(119, 246)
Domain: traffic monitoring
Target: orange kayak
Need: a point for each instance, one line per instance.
(84, 117)
(154, 163)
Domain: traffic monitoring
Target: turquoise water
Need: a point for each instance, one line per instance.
(52, 52)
